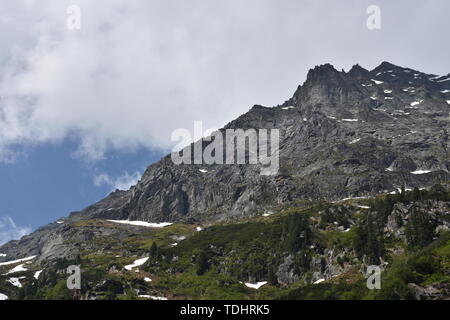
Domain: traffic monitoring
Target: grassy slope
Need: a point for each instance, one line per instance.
(235, 253)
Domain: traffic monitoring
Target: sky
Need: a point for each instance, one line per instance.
(84, 110)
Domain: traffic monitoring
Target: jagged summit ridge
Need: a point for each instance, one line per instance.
(343, 134)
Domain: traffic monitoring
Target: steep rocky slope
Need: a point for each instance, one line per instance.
(343, 134)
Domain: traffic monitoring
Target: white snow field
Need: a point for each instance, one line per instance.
(137, 263)
(18, 268)
(37, 274)
(421, 171)
(15, 281)
(152, 297)
(255, 286)
(319, 281)
(376, 81)
(17, 261)
(143, 223)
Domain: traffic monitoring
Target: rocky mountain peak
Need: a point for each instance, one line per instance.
(322, 72)
(328, 87)
(387, 68)
(385, 65)
(358, 72)
(342, 135)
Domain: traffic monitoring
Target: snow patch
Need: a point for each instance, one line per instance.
(350, 120)
(387, 91)
(147, 279)
(355, 141)
(136, 263)
(376, 81)
(421, 171)
(255, 286)
(445, 91)
(287, 108)
(143, 223)
(319, 281)
(17, 261)
(448, 101)
(15, 281)
(203, 170)
(3, 297)
(415, 103)
(19, 268)
(2, 255)
(37, 274)
(199, 229)
(146, 296)
(432, 78)
(351, 198)
(178, 238)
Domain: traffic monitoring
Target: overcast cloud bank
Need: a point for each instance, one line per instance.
(137, 70)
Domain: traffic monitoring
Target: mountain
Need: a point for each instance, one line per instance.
(352, 144)
(342, 135)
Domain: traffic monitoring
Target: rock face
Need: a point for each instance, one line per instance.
(342, 134)
(431, 292)
(438, 212)
(63, 241)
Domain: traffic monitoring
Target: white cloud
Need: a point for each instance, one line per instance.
(137, 69)
(123, 182)
(10, 231)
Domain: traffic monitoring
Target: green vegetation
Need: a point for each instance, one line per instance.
(202, 263)
(419, 230)
(216, 262)
(368, 240)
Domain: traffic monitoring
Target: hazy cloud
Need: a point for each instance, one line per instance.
(10, 231)
(123, 182)
(137, 70)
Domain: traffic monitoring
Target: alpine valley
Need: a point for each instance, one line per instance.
(364, 180)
